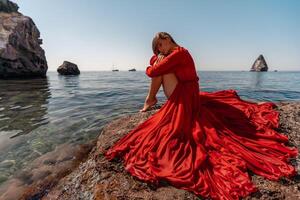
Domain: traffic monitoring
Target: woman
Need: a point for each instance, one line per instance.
(203, 142)
(162, 45)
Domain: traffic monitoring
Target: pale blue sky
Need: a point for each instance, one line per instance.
(220, 35)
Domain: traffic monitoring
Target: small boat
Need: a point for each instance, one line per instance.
(132, 70)
(113, 69)
(275, 70)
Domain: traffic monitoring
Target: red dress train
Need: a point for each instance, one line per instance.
(205, 142)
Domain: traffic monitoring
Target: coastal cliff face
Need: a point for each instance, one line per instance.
(98, 178)
(260, 65)
(20, 52)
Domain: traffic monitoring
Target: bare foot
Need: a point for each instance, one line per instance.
(261, 102)
(148, 103)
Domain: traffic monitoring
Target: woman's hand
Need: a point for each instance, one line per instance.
(159, 58)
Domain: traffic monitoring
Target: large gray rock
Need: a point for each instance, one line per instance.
(68, 68)
(21, 55)
(259, 65)
(7, 6)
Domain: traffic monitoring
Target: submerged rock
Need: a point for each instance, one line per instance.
(40, 175)
(21, 55)
(260, 65)
(68, 68)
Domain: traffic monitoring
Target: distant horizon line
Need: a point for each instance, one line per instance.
(196, 70)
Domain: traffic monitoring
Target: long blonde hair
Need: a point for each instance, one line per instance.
(160, 35)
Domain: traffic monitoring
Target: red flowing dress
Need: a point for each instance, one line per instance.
(205, 142)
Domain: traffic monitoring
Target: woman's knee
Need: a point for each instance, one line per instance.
(157, 78)
(170, 76)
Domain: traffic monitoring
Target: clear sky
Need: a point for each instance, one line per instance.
(220, 35)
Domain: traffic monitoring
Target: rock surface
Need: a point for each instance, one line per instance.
(97, 178)
(21, 55)
(68, 68)
(260, 65)
(7, 6)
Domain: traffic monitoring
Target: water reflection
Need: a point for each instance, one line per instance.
(69, 81)
(258, 79)
(23, 105)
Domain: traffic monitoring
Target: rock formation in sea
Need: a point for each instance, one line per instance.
(21, 55)
(98, 178)
(68, 68)
(260, 65)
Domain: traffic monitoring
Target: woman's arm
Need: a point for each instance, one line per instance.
(166, 65)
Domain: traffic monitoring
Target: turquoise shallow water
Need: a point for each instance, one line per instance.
(39, 114)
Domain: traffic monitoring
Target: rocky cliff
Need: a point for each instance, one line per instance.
(20, 52)
(7, 6)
